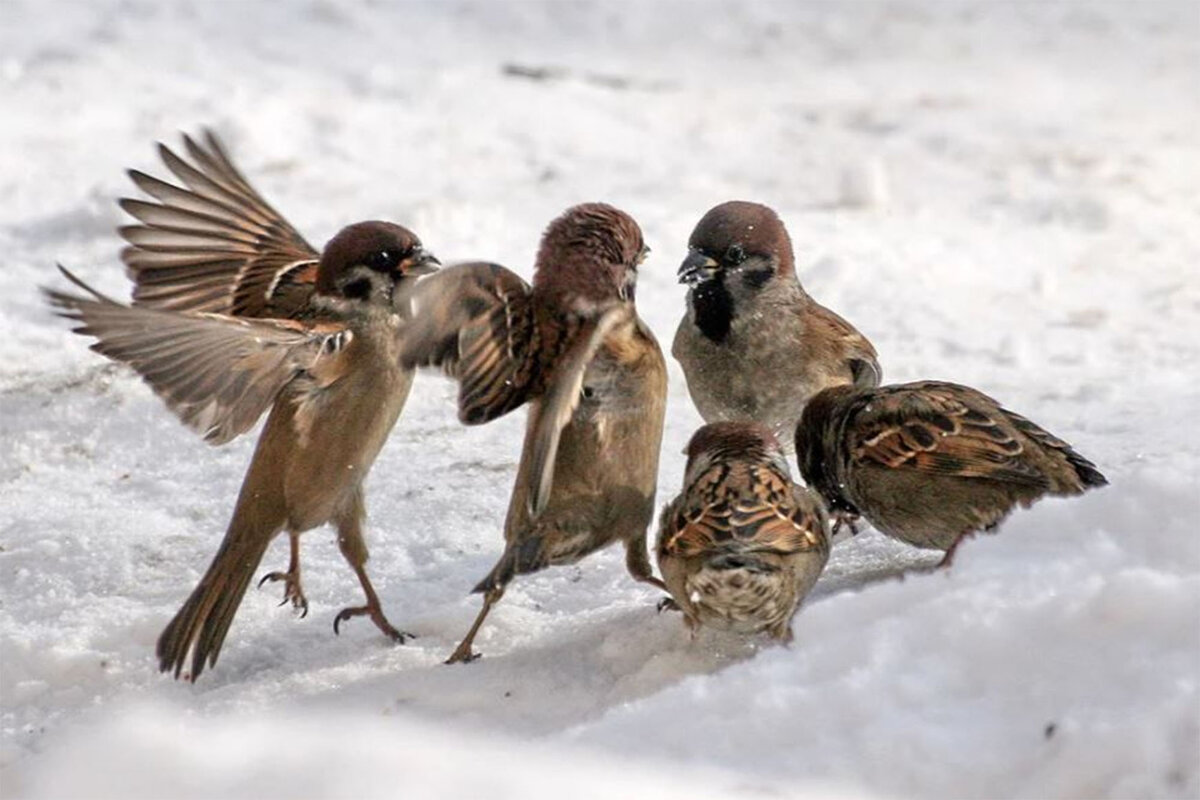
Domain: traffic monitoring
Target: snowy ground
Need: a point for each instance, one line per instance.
(1002, 194)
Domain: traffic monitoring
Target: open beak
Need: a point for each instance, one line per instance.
(697, 268)
(421, 262)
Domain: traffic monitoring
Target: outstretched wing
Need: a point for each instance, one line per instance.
(741, 507)
(217, 373)
(476, 321)
(943, 429)
(213, 245)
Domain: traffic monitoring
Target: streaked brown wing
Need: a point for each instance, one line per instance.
(943, 429)
(477, 322)
(743, 507)
(213, 245)
(217, 373)
(858, 353)
(558, 404)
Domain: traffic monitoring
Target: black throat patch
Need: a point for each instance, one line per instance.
(713, 308)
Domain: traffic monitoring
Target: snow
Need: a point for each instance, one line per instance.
(998, 194)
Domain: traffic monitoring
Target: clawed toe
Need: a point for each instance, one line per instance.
(667, 604)
(463, 656)
(847, 519)
(291, 590)
(377, 617)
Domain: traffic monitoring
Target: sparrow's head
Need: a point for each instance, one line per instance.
(741, 244)
(737, 441)
(737, 251)
(590, 255)
(365, 261)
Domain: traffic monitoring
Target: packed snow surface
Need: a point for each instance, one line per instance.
(1001, 194)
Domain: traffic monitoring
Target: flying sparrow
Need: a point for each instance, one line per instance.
(930, 462)
(572, 346)
(328, 371)
(753, 345)
(742, 546)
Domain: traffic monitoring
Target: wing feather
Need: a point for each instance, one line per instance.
(213, 245)
(217, 373)
(741, 507)
(477, 322)
(558, 405)
(942, 429)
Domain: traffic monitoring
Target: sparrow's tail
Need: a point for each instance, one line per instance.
(201, 625)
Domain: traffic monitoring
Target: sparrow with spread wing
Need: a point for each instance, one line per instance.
(235, 315)
(742, 545)
(930, 462)
(753, 344)
(573, 348)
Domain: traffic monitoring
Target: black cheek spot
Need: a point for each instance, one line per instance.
(357, 289)
(756, 278)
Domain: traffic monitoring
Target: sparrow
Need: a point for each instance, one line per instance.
(753, 345)
(208, 345)
(930, 462)
(742, 545)
(572, 347)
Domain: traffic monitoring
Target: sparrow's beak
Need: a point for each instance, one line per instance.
(421, 262)
(697, 268)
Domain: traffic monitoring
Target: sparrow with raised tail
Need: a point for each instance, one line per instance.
(327, 368)
(573, 348)
(753, 345)
(930, 462)
(742, 545)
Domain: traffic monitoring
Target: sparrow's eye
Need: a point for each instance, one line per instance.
(735, 254)
(383, 260)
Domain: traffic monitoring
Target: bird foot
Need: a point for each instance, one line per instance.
(948, 559)
(291, 590)
(844, 519)
(667, 604)
(377, 617)
(463, 655)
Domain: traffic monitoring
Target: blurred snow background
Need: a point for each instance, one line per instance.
(1002, 194)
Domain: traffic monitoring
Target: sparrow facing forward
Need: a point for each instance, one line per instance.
(573, 347)
(930, 462)
(328, 370)
(742, 545)
(753, 345)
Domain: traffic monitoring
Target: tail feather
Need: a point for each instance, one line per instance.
(201, 624)
(1086, 470)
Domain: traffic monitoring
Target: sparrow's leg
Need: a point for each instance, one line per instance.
(948, 559)
(354, 548)
(782, 632)
(463, 654)
(668, 604)
(847, 518)
(291, 588)
(637, 561)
